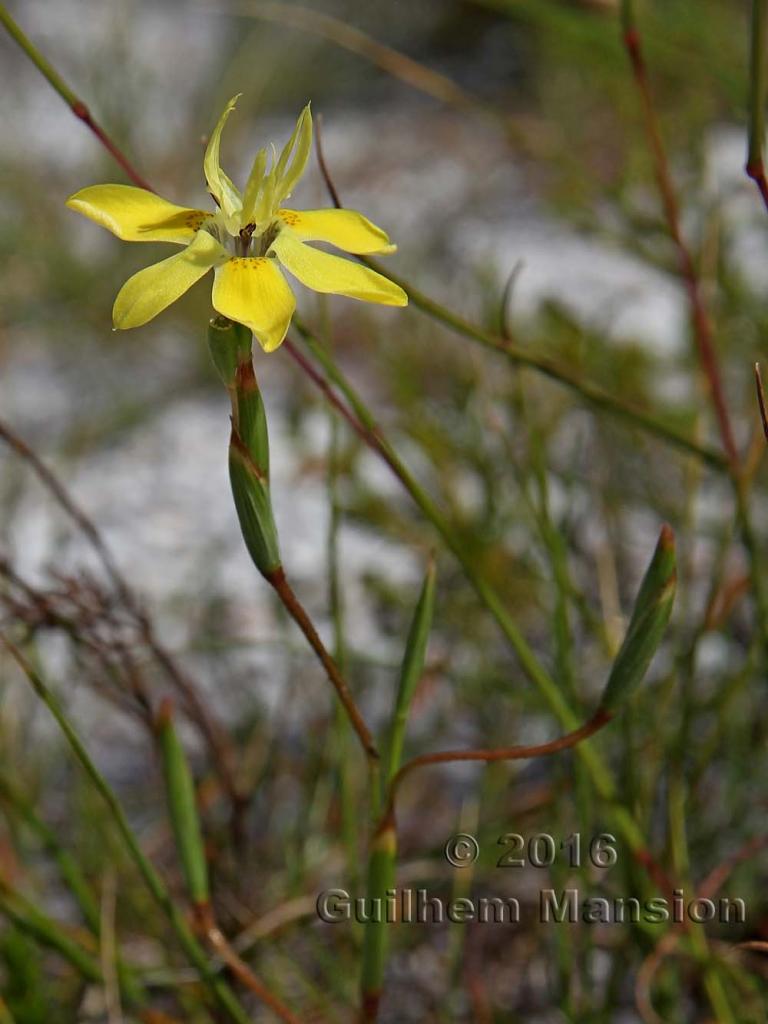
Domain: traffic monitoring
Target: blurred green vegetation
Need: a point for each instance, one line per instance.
(557, 505)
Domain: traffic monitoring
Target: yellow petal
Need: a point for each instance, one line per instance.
(253, 185)
(136, 215)
(345, 229)
(148, 293)
(326, 273)
(264, 202)
(301, 142)
(253, 292)
(221, 188)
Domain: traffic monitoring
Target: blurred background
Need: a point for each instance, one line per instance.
(500, 144)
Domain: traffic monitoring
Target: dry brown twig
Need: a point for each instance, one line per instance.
(703, 331)
(707, 889)
(215, 736)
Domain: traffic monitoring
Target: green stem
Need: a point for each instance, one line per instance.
(749, 540)
(555, 543)
(707, 356)
(758, 86)
(411, 672)
(46, 69)
(74, 878)
(230, 348)
(589, 393)
(50, 934)
(381, 877)
(68, 867)
(530, 664)
(701, 321)
(73, 101)
(47, 933)
(383, 847)
(194, 951)
(334, 522)
(757, 80)
(341, 729)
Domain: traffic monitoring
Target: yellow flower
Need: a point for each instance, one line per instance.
(243, 242)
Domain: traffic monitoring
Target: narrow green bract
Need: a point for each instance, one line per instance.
(411, 671)
(229, 344)
(182, 807)
(230, 347)
(650, 616)
(254, 511)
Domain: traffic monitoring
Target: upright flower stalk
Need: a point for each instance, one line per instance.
(230, 347)
(246, 240)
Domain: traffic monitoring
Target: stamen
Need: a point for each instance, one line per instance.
(266, 239)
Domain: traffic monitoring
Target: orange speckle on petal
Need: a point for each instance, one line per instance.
(195, 219)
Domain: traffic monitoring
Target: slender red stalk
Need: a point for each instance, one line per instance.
(81, 111)
(702, 324)
(295, 609)
(758, 80)
(761, 399)
(519, 753)
(73, 101)
(208, 925)
(756, 171)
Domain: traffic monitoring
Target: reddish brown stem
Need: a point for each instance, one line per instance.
(80, 110)
(761, 399)
(218, 941)
(519, 753)
(370, 437)
(295, 609)
(756, 171)
(719, 875)
(245, 383)
(701, 322)
(654, 870)
(277, 580)
(332, 190)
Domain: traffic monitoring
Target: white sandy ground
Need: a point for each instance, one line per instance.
(160, 492)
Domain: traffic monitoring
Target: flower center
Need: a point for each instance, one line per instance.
(266, 238)
(247, 241)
